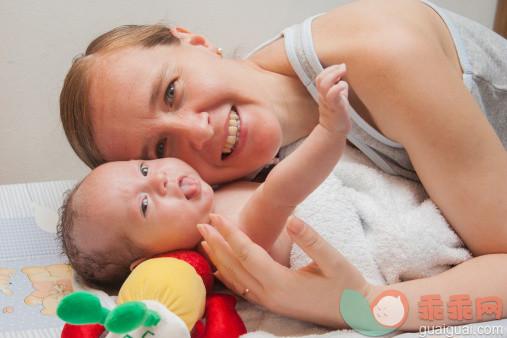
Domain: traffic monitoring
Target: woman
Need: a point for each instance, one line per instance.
(175, 99)
(418, 84)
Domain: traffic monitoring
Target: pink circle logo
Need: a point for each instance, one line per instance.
(390, 308)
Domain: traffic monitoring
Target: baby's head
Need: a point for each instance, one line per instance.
(123, 212)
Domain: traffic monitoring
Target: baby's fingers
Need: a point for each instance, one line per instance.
(338, 93)
(329, 77)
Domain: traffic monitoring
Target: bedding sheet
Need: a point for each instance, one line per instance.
(33, 273)
(34, 276)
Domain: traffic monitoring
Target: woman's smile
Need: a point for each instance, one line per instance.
(233, 131)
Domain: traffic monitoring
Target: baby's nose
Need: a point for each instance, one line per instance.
(159, 182)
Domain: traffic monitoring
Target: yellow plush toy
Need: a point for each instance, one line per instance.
(186, 297)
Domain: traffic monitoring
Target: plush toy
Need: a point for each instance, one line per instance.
(163, 297)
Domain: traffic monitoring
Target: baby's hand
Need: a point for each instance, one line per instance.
(333, 101)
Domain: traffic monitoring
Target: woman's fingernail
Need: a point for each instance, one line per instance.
(205, 246)
(203, 229)
(295, 225)
(214, 218)
(218, 275)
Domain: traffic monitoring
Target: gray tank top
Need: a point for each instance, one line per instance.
(483, 57)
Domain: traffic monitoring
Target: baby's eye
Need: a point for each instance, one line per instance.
(159, 151)
(144, 205)
(143, 169)
(170, 93)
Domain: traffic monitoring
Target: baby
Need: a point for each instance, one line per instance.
(125, 212)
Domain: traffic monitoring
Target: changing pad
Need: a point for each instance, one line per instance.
(33, 273)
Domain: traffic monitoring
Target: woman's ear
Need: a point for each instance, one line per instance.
(137, 262)
(191, 38)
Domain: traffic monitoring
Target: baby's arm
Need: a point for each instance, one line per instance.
(297, 176)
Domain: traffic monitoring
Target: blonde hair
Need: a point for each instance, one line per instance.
(74, 105)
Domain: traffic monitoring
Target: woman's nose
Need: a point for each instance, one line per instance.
(158, 182)
(189, 127)
(199, 130)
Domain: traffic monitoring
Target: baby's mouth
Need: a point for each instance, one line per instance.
(233, 133)
(190, 186)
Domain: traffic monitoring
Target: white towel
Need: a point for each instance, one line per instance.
(386, 226)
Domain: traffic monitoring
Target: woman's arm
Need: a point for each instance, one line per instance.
(313, 293)
(419, 102)
(403, 74)
(477, 278)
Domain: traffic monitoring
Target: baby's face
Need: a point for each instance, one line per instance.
(155, 204)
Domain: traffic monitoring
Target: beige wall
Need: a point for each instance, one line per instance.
(38, 40)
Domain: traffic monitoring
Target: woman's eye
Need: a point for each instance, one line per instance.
(169, 93)
(144, 169)
(144, 205)
(159, 152)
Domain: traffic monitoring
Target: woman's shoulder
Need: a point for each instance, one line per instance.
(363, 15)
(348, 31)
(273, 58)
(375, 25)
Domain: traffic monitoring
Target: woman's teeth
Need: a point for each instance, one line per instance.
(233, 135)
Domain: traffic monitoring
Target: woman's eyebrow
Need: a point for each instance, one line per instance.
(157, 85)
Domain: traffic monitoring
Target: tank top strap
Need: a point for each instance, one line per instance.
(301, 54)
(298, 41)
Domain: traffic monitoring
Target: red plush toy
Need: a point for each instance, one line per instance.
(222, 320)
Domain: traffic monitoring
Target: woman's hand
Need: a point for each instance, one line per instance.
(311, 293)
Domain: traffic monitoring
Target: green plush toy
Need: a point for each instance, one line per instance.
(80, 308)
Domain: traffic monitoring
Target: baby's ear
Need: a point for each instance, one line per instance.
(137, 262)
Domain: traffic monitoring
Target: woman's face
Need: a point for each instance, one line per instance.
(183, 101)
